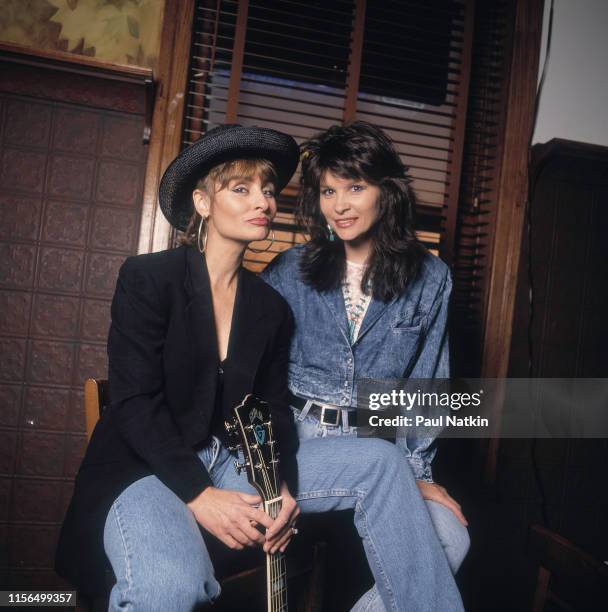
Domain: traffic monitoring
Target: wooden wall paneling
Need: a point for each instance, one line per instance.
(103, 84)
(354, 63)
(492, 162)
(205, 41)
(448, 226)
(511, 201)
(490, 64)
(555, 480)
(236, 69)
(165, 141)
(15, 57)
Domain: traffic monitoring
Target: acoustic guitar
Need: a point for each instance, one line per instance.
(250, 431)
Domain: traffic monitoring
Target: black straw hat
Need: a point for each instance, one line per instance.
(222, 144)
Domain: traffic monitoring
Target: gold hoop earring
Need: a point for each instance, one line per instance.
(203, 246)
(267, 248)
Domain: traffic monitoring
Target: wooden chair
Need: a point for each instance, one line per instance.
(305, 563)
(568, 578)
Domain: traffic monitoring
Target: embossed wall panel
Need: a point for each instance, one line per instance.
(5, 488)
(35, 501)
(76, 130)
(10, 403)
(22, 170)
(46, 408)
(65, 223)
(76, 420)
(71, 179)
(28, 123)
(102, 272)
(41, 454)
(95, 319)
(118, 183)
(8, 452)
(19, 216)
(14, 312)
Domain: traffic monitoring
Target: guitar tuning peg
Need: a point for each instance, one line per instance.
(231, 426)
(239, 467)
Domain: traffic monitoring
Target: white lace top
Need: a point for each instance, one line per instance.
(355, 301)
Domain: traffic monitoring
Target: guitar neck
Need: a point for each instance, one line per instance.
(276, 571)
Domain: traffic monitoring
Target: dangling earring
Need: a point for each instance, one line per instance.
(267, 248)
(201, 245)
(330, 231)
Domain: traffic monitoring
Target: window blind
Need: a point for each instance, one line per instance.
(492, 48)
(291, 66)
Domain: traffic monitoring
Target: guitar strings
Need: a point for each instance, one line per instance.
(275, 562)
(280, 560)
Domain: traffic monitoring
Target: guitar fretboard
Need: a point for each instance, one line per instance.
(276, 571)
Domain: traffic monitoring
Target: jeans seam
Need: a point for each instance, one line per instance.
(329, 493)
(371, 598)
(124, 540)
(359, 508)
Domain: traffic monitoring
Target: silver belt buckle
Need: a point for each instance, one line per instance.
(323, 420)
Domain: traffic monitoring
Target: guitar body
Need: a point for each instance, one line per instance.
(251, 428)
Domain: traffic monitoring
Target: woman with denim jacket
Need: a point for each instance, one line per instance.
(369, 301)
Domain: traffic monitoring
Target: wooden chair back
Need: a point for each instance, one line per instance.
(568, 578)
(95, 401)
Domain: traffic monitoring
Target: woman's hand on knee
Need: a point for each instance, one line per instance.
(231, 516)
(437, 493)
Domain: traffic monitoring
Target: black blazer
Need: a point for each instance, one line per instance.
(163, 365)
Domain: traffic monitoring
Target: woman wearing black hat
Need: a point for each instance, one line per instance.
(192, 333)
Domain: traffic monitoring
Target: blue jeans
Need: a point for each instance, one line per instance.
(161, 562)
(452, 534)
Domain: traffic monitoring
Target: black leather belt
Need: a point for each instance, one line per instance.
(326, 415)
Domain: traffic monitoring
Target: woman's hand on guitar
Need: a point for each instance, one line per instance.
(230, 516)
(281, 531)
(435, 492)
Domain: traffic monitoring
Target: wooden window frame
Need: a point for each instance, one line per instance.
(167, 122)
(165, 142)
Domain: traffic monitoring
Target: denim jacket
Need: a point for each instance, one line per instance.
(404, 338)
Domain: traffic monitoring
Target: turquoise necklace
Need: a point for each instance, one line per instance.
(355, 311)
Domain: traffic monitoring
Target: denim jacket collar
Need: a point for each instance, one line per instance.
(334, 299)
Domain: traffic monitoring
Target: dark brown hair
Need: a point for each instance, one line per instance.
(360, 150)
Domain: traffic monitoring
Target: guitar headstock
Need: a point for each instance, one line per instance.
(251, 428)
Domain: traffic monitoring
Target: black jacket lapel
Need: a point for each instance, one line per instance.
(248, 336)
(201, 331)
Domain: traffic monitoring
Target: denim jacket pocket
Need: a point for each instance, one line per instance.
(411, 329)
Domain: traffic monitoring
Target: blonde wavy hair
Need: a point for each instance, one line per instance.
(219, 177)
